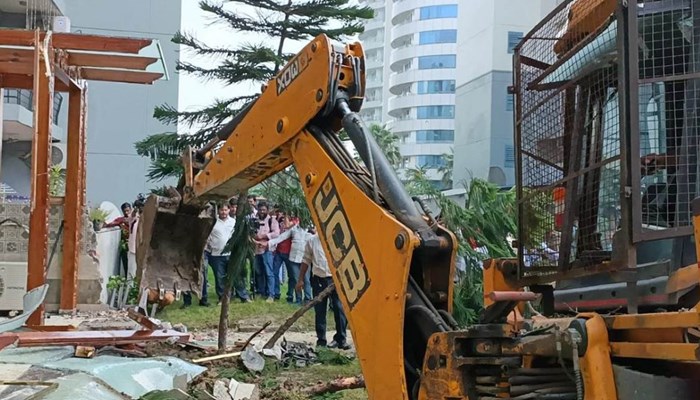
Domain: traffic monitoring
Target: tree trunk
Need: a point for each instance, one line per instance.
(223, 321)
(283, 36)
(291, 320)
(355, 382)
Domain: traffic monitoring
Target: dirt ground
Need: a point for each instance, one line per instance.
(275, 382)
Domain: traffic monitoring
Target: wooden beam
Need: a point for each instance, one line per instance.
(109, 61)
(41, 152)
(16, 67)
(14, 81)
(114, 75)
(16, 55)
(64, 81)
(73, 208)
(76, 41)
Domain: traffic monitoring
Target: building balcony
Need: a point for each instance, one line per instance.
(374, 24)
(374, 4)
(415, 100)
(373, 43)
(407, 126)
(400, 55)
(425, 149)
(373, 82)
(400, 7)
(18, 116)
(371, 103)
(415, 27)
(399, 80)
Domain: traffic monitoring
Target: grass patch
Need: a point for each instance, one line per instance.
(240, 314)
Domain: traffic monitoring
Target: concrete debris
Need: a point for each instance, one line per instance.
(180, 381)
(243, 391)
(180, 328)
(31, 301)
(275, 352)
(99, 377)
(221, 391)
(233, 390)
(252, 359)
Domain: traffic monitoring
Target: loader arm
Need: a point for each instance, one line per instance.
(392, 268)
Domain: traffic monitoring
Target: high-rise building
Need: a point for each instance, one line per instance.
(488, 33)
(423, 67)
(374, 39)
(437, 75)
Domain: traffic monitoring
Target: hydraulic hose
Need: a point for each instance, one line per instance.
(400, 203)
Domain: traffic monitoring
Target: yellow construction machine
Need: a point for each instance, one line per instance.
(600, 303)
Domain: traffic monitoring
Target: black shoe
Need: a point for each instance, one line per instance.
(341, 346)
(204, 303)
(183, 306)
(321, 344)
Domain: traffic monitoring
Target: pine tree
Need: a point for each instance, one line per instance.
(283, 22)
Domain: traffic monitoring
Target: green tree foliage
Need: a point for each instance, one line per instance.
(284, 190)
(247, 65)
(446, 170)
(488, 217)
(388, 142)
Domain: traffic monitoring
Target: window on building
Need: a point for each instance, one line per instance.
(513, 40)
(440, 36)
(509, 102)
(437, 62)
(436, 112)
(430, 161)
(442, 86)
(442, 11)
(435, 136)
(509, 158)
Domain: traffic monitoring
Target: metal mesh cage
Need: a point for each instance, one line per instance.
(568, 138)
(581, 164)
(666, 100)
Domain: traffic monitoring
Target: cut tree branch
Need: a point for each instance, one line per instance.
(291, 320)
(354, 382)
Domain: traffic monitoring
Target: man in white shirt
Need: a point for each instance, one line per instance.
(297, 236)
(321, 278)
(215, 256)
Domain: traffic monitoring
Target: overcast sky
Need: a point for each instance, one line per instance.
(194, 93)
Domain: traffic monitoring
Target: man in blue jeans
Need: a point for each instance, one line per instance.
(268, 228)
(290, 251)
(217, 258)
(320, 279)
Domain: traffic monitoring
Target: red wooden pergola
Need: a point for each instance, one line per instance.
(46, 62)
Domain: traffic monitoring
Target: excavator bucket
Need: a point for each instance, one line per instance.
(170, 246)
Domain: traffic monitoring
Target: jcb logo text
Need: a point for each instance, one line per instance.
(335, 230)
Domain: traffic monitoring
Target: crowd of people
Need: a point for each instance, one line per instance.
(284, 251)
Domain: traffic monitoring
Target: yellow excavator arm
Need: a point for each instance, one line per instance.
(391, 263)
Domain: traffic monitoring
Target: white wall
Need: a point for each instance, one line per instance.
(121, 114)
